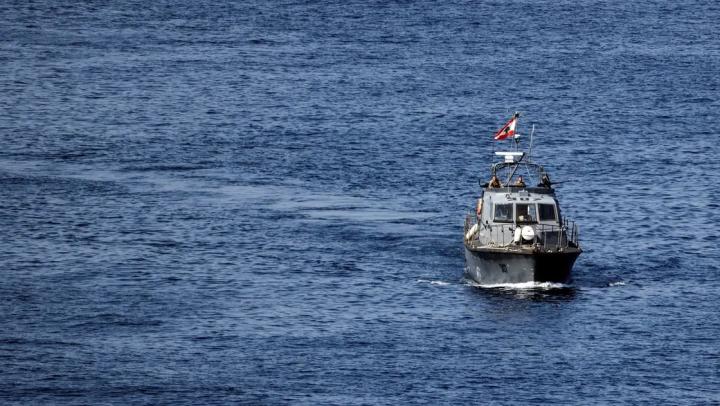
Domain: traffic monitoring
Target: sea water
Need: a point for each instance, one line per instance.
(262, 203)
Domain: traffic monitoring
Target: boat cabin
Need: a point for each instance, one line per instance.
(518, 215)
(520, 206)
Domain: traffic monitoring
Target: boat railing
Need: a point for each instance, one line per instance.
(547, 236)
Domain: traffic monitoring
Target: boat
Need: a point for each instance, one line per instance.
(517, 233)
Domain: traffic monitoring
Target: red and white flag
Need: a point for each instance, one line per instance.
(507, 131)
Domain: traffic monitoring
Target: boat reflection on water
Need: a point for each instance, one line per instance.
(533, 292)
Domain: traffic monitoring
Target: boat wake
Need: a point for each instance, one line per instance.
(520, 286)
(441, 283)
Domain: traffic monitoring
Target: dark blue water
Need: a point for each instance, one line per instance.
(262, 203)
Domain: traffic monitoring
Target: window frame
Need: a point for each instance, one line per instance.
(511, 214)
(517, 220)
(555, 212)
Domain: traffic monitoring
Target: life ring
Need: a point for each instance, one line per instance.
(479, 208)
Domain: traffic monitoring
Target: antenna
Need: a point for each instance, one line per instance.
(531, 140)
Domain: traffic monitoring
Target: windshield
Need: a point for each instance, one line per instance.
(547, 212)
(526, 213)
(503, 212)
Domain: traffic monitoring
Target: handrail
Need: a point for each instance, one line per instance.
(546, 235)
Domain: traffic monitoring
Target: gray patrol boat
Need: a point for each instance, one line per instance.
(518, 233)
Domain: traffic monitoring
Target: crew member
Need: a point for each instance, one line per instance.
(519, 182)
(495, 182)
(545, 181)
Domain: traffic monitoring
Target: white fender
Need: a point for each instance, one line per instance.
(517, 237)
(471, 232)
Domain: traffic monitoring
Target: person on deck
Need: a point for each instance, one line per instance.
(545, 181)
(519, 182)
(495, 183)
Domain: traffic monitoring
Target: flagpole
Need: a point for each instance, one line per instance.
(513, 137)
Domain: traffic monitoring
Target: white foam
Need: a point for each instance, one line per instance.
(617, 284)
(522, 285)
(441, 283)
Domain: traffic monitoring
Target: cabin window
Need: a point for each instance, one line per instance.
(526, 213)
(503, 212)
(547, 212)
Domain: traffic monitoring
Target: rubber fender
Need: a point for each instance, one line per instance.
(471, 232)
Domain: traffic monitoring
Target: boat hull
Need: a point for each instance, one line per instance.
(493, 266)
